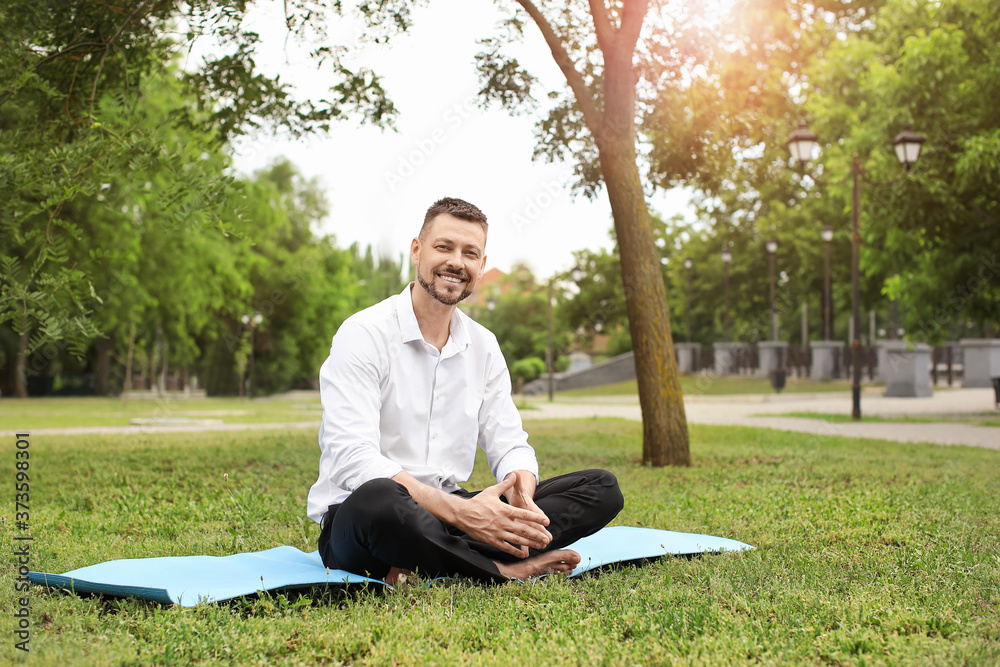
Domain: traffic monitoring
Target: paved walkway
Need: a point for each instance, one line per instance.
(750, 410)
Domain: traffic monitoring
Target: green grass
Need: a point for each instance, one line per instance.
(715, 385)
(869, 552)
(98, 411)
(978, 419)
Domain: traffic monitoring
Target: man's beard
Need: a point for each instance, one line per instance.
(445, 298)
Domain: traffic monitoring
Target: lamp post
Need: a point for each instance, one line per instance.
(252, 322)
(726, 258)
(801, 143)
(550, 350)
(827, 234)
(576, 273)
(687, 297)
(907, 146)
(772, 249)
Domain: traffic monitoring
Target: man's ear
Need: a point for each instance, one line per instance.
(482, 267)
(414, 251)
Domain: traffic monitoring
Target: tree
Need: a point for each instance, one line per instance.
(930, 239)
(303, 286)
(520, 318)
(857, 72)
(603, 60)
(380, 276)
(600, 299)
(71, 77)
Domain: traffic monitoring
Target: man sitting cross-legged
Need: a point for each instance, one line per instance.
(411, 386)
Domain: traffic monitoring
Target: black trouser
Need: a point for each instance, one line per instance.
(380, 526)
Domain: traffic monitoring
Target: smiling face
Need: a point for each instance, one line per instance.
(450, 257)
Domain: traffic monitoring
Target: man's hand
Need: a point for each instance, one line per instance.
(488, 519)
(522, 494)
(485, 517)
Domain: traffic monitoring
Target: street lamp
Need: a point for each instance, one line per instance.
(726, 258)
(801, 143)
(687, 298)
(253, 322)
(827, 234)
(907, 146)
(772, 249)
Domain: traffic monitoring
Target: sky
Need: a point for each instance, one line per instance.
(379, 183)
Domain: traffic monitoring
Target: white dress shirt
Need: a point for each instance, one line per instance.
(393, 402)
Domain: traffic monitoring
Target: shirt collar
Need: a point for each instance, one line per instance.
(409, 329)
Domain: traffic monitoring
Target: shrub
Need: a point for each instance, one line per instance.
(527, 369)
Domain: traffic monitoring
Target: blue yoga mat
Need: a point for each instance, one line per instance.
(189, 580)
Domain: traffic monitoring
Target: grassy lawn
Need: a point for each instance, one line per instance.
(979, 419)
(868, 552)
(96, 411)
(715, 385)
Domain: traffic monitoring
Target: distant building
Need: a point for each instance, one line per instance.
(492, 284)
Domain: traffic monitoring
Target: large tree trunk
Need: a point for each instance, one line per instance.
(664, 424)
(665, 434)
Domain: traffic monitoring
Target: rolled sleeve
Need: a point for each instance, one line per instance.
(349, 390)
(501, 434)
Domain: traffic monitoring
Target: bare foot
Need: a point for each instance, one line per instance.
(562, 560)
(396, 575)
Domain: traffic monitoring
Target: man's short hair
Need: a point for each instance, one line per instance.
(458, 208)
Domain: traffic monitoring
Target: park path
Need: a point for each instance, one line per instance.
(753, 410)
(749, 410)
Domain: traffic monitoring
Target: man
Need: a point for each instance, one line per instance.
(411, 386)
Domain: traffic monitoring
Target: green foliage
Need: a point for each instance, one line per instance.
(599, 299)
(527, 369)
(520, 318)
(114, 196)
(929, 239)
(858, 77)
(378, 277)
(620, 342)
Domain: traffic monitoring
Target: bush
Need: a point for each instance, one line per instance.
(620, 342)
(527, 369)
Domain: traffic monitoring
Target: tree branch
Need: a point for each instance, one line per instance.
(591, 114)
(982, 214)
(107, 49)
(602, 25)
(633, 13)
